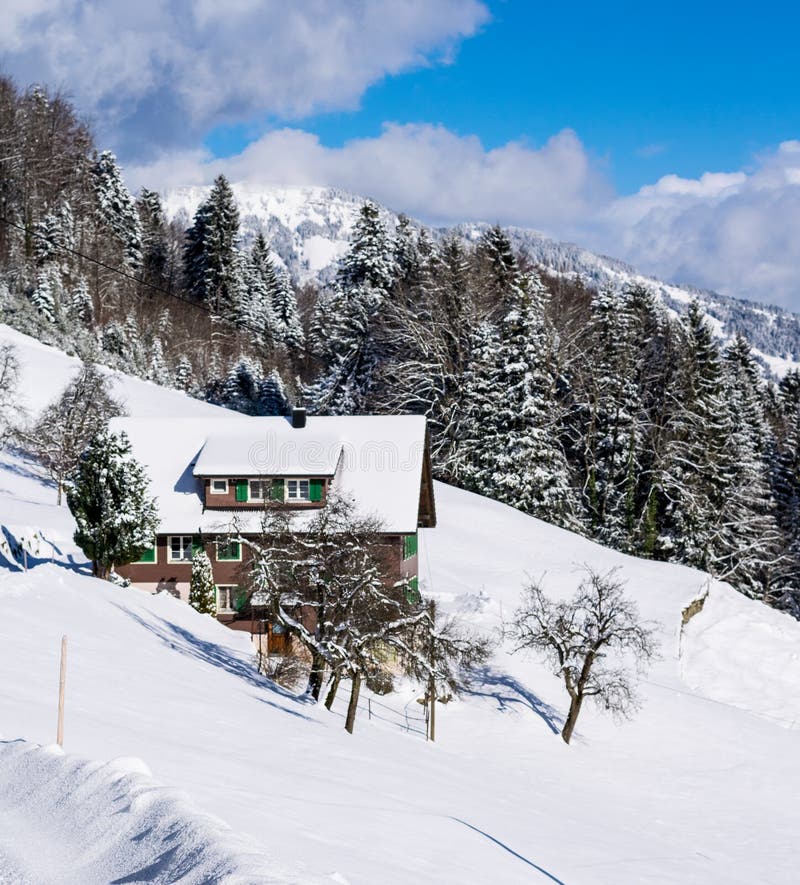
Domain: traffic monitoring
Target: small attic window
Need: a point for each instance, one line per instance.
(219, 486)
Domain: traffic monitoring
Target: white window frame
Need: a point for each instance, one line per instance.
(291, 498)
(214, 491)
(263, 485)
(225, 589)
(154, 561)
(185, 548)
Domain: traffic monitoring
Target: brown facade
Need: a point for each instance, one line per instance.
(175, 577)
(227, 500)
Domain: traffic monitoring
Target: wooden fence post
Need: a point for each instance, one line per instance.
(62, 678)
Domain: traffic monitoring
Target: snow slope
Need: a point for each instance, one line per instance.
(700, 787)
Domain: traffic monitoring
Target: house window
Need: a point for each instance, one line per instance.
(219, 486)
(225, 598)
(229, 551)
(149, 555)
(259, 489)
(298, 490)
(230, 598)
(180, 548)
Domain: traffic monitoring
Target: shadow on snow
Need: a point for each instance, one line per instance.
(507, 692)
(187, 643)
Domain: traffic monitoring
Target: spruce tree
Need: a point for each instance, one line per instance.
(116, 208)
(612, 421)
(511, 449)
(212, 269)
(108, 495)
(155, 250)
(370, 259)
(287, 328)
(202, 590)
(748, 546)
(697, 470)
(272, 397)
(81, 306)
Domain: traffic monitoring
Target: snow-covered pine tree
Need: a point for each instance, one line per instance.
(116, 208)
(183, 376)
(53, 236)
(211, 265)
(158, 371)
(370, 259)
(108, 495)
(240, 391)
(288, 330)
(696, 473)
(500, 267)
(785, 475)
(202, 590)
(511, 448)
(345, 322)
(255, 311)
(612, 420)
(155, 250)
(81, 306)
(45, 297)
(272, 398)
(749, 542)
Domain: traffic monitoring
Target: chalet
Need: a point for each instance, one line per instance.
(214, 476)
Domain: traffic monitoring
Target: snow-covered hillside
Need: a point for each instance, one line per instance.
(699, 788)
(310, 228)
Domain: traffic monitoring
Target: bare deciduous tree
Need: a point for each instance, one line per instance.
(579, 634)
(66, 426)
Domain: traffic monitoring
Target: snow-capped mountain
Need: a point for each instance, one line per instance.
(309, 228)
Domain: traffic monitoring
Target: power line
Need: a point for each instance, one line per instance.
(108, 267)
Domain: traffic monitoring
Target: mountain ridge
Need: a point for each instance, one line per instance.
(308, 227)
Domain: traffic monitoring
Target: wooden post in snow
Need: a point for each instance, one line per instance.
(62, 678)
(432, 713)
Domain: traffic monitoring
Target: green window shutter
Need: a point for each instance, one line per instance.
(228, 550)
(149, 555)
(315, 490)
(197, 545)
(276, 492)
(239, 598)
(241, 490)
(412, 593)
(409, 546)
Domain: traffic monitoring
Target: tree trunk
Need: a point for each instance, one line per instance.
(572, 717)
(316, 676)
(352, 707)
(332, 691)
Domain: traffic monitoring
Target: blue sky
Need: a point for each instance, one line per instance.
(667, 135)
(683, 89)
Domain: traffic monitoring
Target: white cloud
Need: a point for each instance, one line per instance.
(425, 171)
(734, 232)
(154, 74)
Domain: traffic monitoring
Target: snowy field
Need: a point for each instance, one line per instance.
(183, 765)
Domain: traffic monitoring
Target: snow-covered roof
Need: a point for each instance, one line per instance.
(274, 448)
(375, 459)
